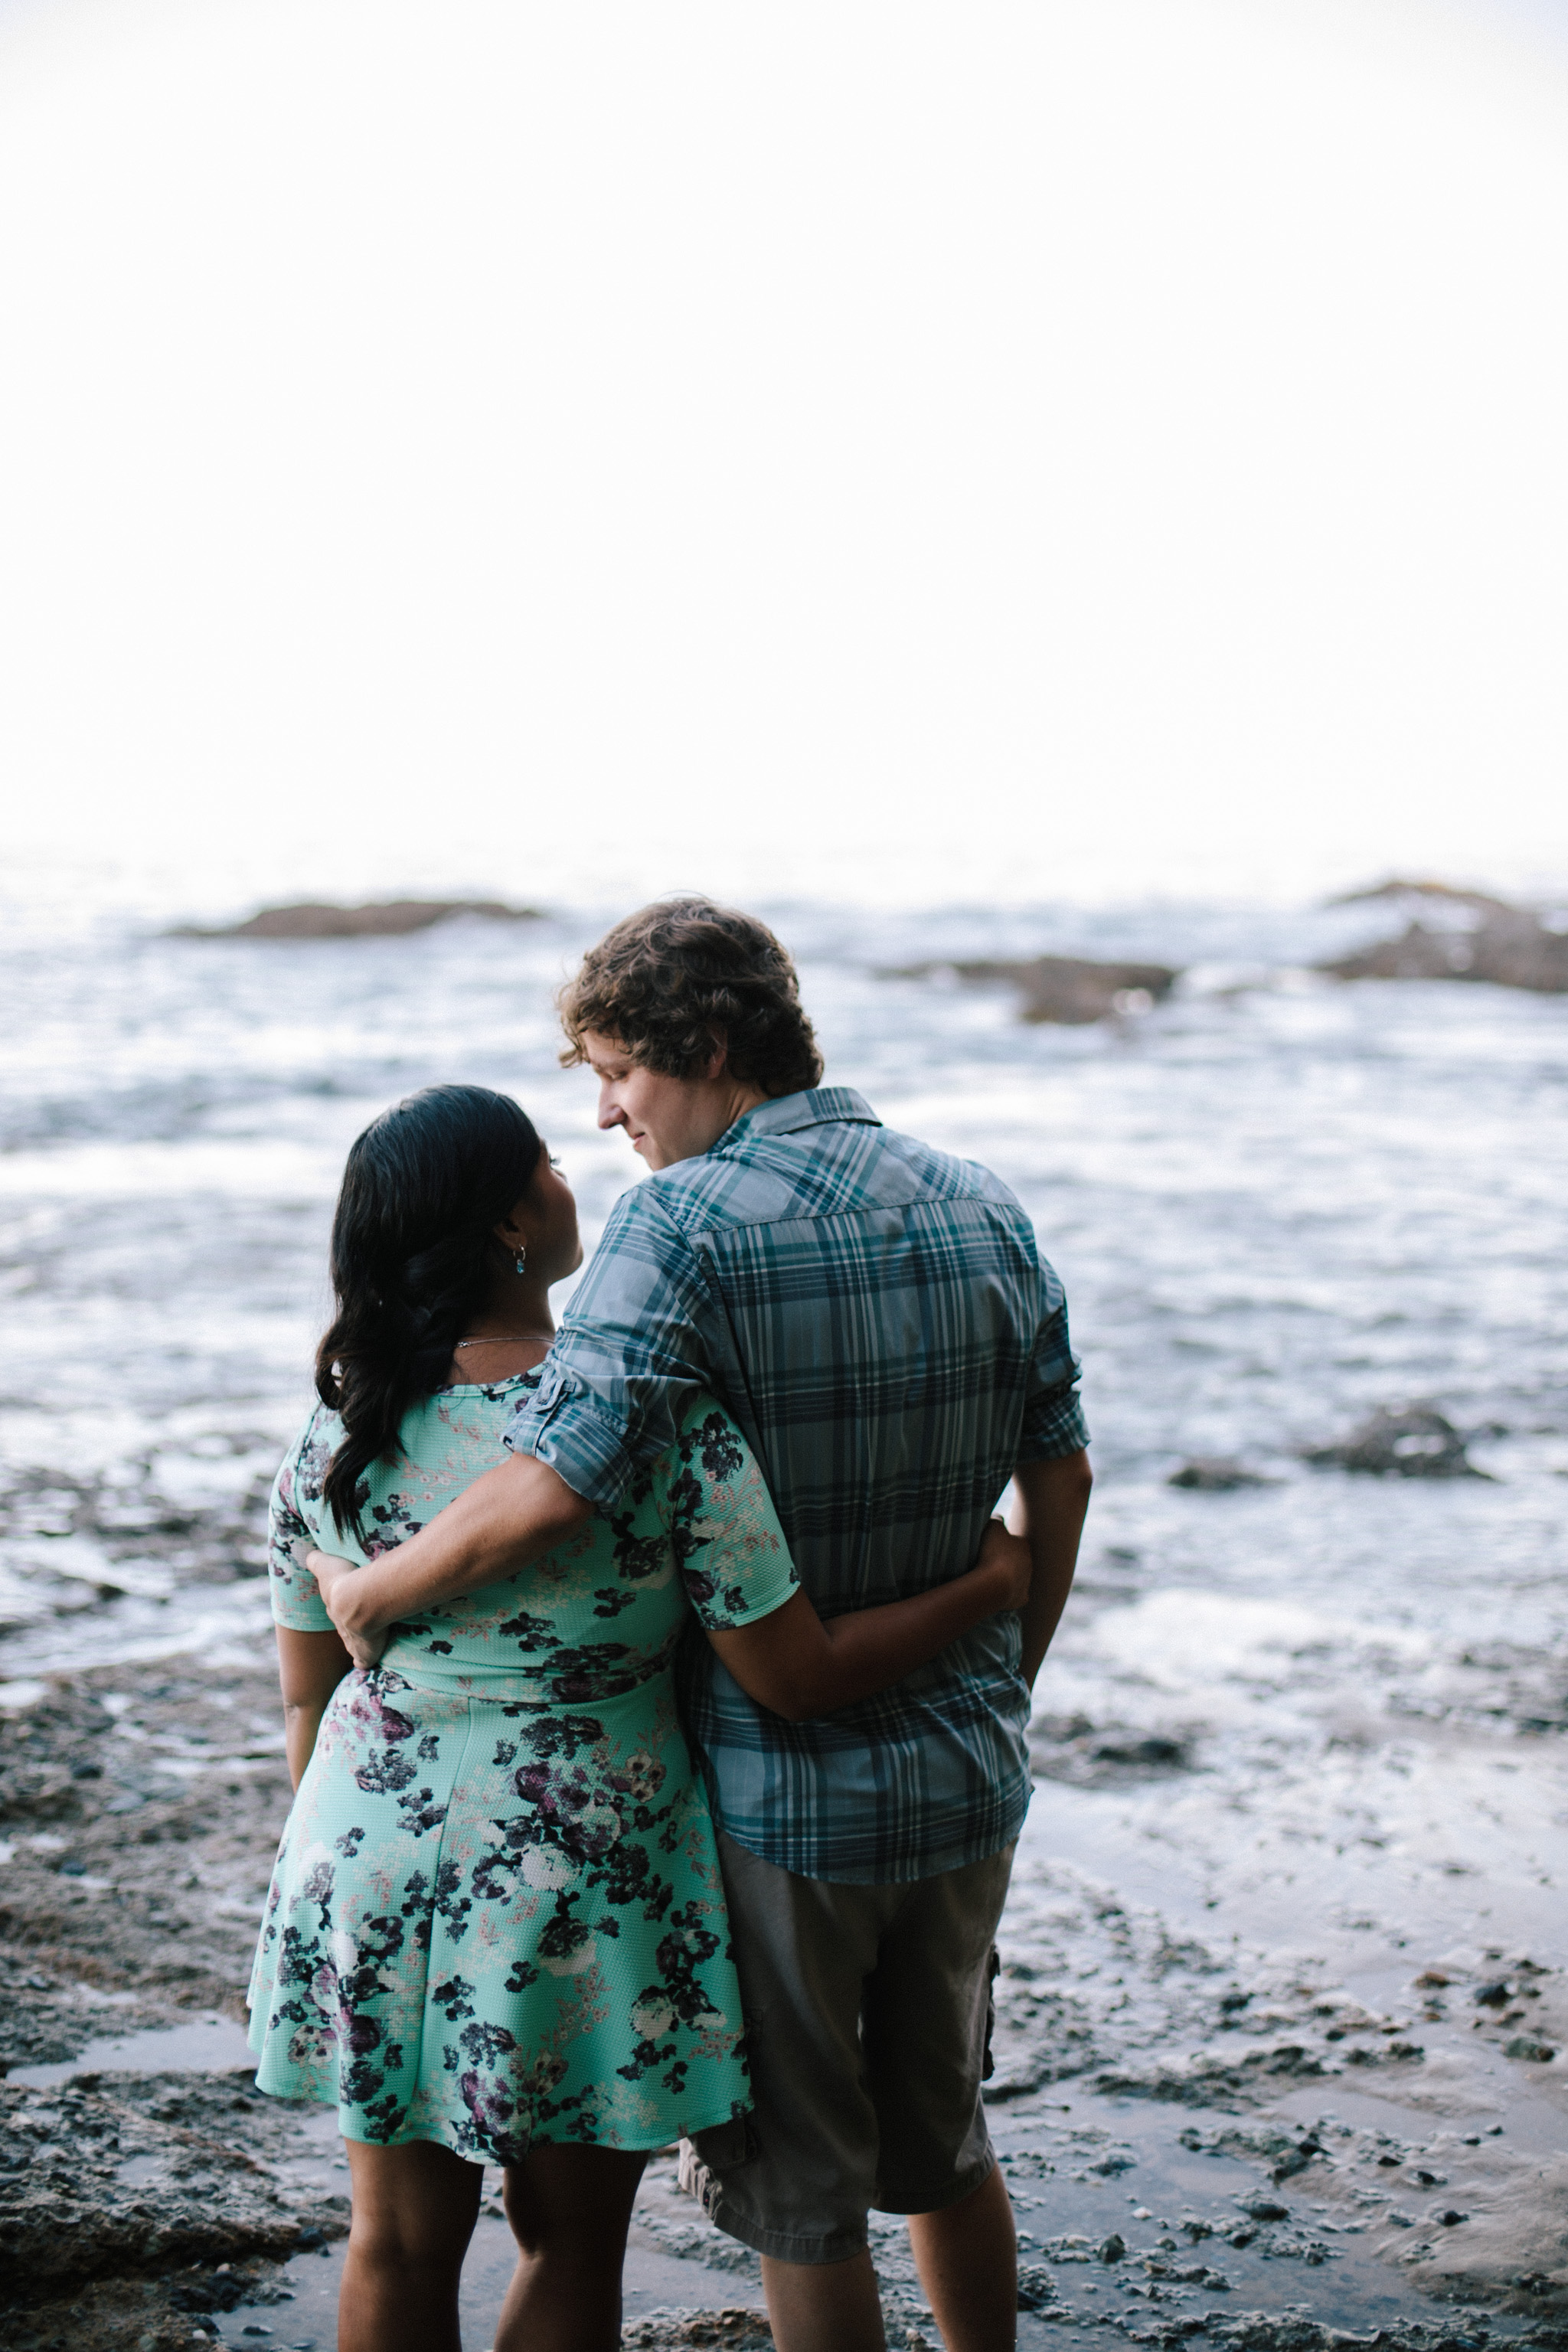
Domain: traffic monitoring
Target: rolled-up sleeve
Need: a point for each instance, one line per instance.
(629, 1358)
(1053, 1416)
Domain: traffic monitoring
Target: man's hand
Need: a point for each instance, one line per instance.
(334, 1580)
(510, 1517)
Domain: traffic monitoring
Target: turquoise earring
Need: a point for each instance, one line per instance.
(521, 1260)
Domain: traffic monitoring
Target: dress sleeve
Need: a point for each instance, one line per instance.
(294, 1526)
(731, 1549)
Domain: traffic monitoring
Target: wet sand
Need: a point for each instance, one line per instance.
(1199, 2140)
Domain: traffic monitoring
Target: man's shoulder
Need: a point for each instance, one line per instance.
(942, 1175)
(821, 1155)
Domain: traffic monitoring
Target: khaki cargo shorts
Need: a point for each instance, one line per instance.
(868, 2021)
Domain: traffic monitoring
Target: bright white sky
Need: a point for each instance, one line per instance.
(855, 446)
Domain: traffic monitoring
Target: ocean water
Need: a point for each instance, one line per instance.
(1306, 1734)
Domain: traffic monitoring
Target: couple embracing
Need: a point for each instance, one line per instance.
(735, 1515)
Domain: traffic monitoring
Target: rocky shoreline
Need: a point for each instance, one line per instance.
(141, 1809)
(165, 2209)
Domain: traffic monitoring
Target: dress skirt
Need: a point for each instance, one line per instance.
(499, 1920)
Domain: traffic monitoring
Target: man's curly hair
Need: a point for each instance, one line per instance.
(673, 980)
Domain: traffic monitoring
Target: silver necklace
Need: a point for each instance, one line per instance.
(507, 1340)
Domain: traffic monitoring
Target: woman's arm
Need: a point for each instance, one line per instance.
(794, 1664)
(309, 1668)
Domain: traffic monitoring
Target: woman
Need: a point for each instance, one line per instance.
(495, 1932)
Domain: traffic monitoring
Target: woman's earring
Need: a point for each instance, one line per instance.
(522, 1259)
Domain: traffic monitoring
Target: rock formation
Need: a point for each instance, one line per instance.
(1481, 939)
(1215, 1474)
(1416, 1442)
(1072, 990)
(380, 919)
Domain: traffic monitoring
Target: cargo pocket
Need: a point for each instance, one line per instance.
(705, 2160)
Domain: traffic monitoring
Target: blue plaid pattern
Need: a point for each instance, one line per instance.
(877, 1317)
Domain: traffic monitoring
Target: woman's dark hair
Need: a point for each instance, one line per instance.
(668, 981)
(425, 1185)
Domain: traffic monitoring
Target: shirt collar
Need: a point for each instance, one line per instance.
(789, 1114)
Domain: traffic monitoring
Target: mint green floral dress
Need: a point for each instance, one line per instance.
(497, 1916)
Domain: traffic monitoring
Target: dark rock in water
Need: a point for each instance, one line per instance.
(1068, 1748)
(1417, 1442)
(1484, 938)
(382, 919)
(1069, 990)
(1150, 1750)
(1214, 1474)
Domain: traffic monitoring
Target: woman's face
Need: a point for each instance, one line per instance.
(546, 1219)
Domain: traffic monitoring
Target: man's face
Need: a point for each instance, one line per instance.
(665, 1119)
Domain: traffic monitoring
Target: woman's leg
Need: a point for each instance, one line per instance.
(414, 2212)
(569, 2208)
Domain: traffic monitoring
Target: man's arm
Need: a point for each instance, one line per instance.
(1051, 1498)
(504, 1521)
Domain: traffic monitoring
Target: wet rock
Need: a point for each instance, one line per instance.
(380, 919)
(1410, 1441)
(108, 1526)
(1153, 1748)
(1528, 2047)
(158, 1915)
(1215, 1474)
(1071, 1747)
(1070, 991)
(1188, 2275)
(1036, 2288)
(1113, 2248)
(68, 2213)
(1461, 935)
(729, 2330)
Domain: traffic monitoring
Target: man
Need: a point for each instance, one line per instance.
(875, 1315)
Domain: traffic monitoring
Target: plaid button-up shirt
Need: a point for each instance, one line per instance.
(877, 1317)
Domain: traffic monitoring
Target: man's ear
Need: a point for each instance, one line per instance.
(718, 1060)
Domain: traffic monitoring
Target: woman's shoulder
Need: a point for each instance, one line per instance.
(709, 1434)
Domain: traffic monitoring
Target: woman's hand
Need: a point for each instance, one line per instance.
(334, 1582)
(1007, 1563)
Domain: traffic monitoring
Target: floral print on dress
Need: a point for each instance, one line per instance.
(497, 1914)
